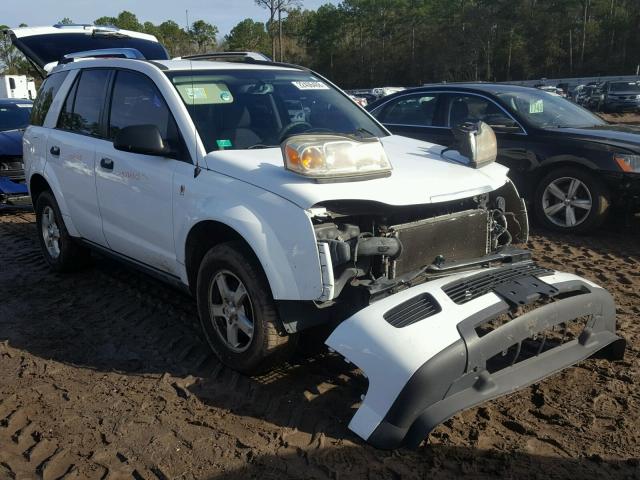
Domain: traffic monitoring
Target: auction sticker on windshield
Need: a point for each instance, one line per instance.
(536, 107)
(311, 85)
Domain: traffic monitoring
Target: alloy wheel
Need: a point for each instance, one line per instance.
(567, 202)
(231, 311)
(50, 232)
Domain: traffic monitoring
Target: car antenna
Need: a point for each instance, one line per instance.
(197, 169)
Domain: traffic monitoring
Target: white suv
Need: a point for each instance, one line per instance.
(282, 206)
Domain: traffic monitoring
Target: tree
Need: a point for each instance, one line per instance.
(248, 35)
(203, 34)
(125, 20)
(66, 21)
(272, 6)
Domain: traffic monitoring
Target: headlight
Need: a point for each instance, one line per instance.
(334, 157)
(628, 163)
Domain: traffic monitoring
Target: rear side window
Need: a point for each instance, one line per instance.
(45, 97)
(417, 109)
(82, 108)
(137, 101)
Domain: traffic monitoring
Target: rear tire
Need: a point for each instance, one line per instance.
(60, 250)
(237, 313)
(571, 200)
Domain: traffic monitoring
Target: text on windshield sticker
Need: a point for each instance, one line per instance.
(310, 85)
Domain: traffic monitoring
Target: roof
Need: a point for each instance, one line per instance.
(493, 88)
(218, 65)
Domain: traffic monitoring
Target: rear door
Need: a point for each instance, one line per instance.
(135, 191)
(414, 115)
(71, 150)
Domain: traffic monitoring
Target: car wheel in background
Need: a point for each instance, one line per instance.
(237, 313)
(60, 250)
(571, 200)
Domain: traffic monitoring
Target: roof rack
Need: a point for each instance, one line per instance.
(229, 56)
(131, 53)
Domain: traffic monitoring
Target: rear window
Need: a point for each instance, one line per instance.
(82, 108)
(625, 87)
(45, 97)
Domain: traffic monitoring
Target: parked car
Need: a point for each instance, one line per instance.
(194, 172)
(14, 118)
(620, 97)
(570, 164)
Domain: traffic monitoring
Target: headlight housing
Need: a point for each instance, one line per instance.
(327, 158)
(628, 162)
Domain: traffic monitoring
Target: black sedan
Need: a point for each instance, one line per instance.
(572, 166)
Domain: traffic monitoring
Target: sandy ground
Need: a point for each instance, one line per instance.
(626, 118)
(103, 376)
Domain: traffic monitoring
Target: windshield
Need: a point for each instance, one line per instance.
(625, 87)
(544, 110)
(14, 116)
(240, 109)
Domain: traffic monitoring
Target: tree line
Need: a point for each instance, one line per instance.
(364, 43)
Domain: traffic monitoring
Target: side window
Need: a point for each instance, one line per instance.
(45, 97)
(417, 109)
(137, 101)
(82, 108)
(471, 108)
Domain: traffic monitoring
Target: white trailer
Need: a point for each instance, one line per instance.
(17, 86)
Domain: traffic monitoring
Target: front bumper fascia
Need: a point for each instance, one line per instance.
(423, 373)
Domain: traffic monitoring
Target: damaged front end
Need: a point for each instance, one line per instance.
(449, 344)
(442, 312)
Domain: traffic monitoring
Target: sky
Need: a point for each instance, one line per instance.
(225, 14)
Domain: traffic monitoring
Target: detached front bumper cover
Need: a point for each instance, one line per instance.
(448, 345)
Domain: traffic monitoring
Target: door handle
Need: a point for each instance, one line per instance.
(55, 150)
(106, 163)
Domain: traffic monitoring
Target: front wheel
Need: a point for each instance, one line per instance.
(571, 200)
(237, 313)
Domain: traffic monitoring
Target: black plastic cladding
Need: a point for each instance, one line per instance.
(412, 311)
(469, 288)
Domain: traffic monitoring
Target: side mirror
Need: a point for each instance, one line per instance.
(144, 139)
(476, 141)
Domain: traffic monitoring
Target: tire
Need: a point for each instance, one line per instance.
(552, 211)
(231, 265)
(60, 250)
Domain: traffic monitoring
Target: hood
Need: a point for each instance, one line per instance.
(11, 143)
(623, 136)
(420, 175)
(47, 45)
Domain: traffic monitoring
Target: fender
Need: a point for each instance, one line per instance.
(279, 232)
(569, 159)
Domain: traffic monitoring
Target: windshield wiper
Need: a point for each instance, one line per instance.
(364, 131)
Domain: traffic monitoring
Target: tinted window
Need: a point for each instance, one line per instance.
(137, 101)
(411, 110)
(471, 108)
(81, 111)
(45, 97)
(14, 115)
(625, 87)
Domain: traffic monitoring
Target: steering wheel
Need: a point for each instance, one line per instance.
(288, 128)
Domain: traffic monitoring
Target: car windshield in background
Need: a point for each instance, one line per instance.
(235, 110)
(14, 116)
(627, 87)
(548, 110)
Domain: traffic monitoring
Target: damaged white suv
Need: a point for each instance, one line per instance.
(282, 206)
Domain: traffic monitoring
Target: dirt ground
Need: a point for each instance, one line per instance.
(626, 118)
(102, 376)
